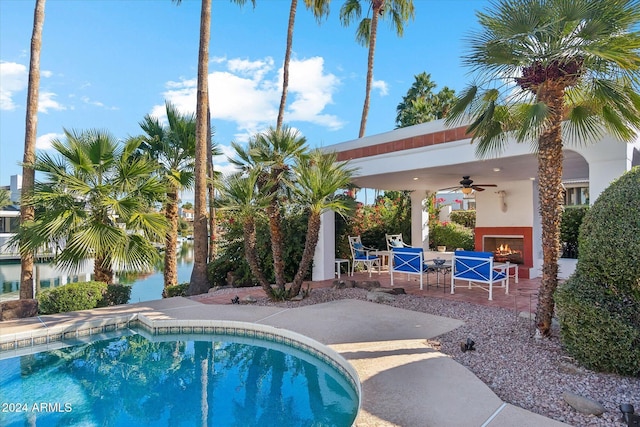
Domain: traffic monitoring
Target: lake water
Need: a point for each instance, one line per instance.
(145, 287)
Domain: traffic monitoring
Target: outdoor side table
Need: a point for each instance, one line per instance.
(340, 261)
(440, 269)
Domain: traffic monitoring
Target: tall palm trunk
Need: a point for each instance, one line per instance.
(287, 60)
(378, 6)
(171, 240)
(277, 243)
(213, 248)
(550, 199)
(311, 240)
(199, 283)
(27, 211)
(249, 234)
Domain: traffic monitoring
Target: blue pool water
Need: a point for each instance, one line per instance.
(212, 380)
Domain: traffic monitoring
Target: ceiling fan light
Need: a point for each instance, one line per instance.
(466, 190)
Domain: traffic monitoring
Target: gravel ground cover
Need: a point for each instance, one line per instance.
(524, 371)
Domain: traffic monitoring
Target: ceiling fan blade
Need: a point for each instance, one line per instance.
(484, 185)
(457, 187)
(477, 188)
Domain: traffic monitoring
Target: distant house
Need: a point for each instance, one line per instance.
(9, 223)
(186, 214)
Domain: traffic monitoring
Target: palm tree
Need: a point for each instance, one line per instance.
(397, 11)
(27, 212)
(318, 177)
(550, 70)
(5, 198)
(96, 200)
(240, 194)
(320, 9)
(172, 147)
(270, 154)
(199, 283)
(421, 105)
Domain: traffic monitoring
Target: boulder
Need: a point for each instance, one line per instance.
(367, 284)
(342, 284)
(583, 404)
(18, 309)
(380, 297)
(249, 299)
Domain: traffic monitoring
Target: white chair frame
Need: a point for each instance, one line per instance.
(368, 261)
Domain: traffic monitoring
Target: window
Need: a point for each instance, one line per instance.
(574, 196)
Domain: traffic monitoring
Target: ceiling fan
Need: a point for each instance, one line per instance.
(467, 186)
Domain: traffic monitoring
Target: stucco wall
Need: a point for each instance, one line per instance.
(519, 205)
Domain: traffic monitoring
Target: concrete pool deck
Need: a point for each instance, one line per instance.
(404, 382)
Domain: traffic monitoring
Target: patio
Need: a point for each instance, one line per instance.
(522, 295)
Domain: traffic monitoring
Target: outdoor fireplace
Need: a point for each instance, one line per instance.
(505, 248)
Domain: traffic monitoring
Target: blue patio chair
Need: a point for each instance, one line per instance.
(478, 269)
(360, 255)
(408, 260)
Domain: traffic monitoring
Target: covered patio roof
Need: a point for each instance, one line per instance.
(431, 156)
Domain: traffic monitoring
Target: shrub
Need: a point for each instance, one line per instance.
(465, 218)
(452, 236)
(231, 256)
(569, 229)
(116, 295)
(71, 297)
(599, 306)
(179, 290)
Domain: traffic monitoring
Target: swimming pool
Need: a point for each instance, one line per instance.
(237, 376)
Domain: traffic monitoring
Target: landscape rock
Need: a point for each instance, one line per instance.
(342, 284)
(298, 297)
(18, 309)
(583, 404)
(391, 291)
(380, 297)
(249, 299)
(367, 284)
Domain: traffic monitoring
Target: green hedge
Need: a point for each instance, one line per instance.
(569, 229)
(599, 306)
(71, 297)
(452, 236)
(179, 290)
(466, 218)
(82, 296)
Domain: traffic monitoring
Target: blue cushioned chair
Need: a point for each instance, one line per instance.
(478, 269)
(407, 260)
(360, 254)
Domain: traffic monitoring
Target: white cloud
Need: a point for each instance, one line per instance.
(89, 101)
(382, 86)
(46, 73)
(13, 78)
(248, 92)
(43, 142)
(46, 102)
(312, 91)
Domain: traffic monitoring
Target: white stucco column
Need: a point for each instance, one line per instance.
(325, 254)
(419, 221)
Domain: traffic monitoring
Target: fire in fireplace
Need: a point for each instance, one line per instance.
(505, 248)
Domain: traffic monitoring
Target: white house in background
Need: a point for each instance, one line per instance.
(428, 157)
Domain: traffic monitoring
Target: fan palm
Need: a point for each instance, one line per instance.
(240, 194)
(270, 155)
(397, 11)
(5, 198)
(172, 147)
(318, 177)
(96, 201)
(550, 71)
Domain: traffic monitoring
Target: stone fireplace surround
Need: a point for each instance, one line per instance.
(525, 233)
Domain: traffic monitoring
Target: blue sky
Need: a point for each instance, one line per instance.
(107, 63)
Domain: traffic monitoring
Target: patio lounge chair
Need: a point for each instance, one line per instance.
(408, 260)
(360, 255)
(478, 269)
